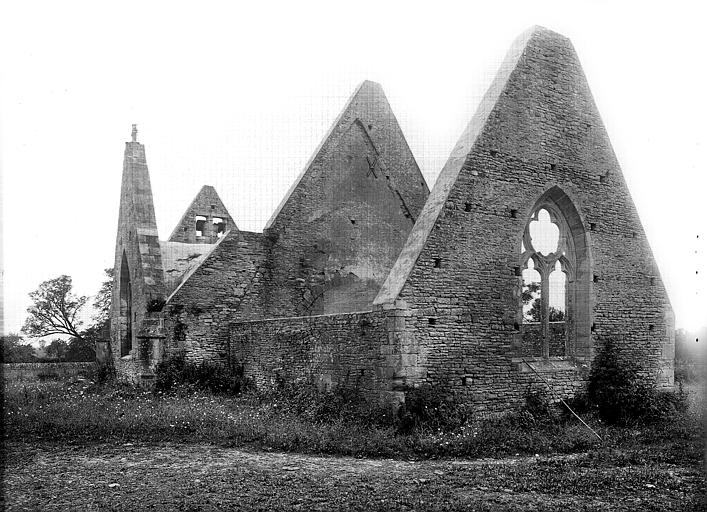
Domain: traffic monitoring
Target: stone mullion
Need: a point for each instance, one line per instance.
(545, 310)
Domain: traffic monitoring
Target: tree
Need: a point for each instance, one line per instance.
(54, 309)
(57, 349)
(81, 349)
(102, 300)
(15, 351)
(554, 314)
(529, 292)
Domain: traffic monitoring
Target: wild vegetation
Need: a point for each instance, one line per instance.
(198, 403)
(541, 451)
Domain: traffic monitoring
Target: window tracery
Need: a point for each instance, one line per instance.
(548, 262)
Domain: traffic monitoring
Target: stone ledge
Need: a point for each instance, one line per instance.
(540, 365)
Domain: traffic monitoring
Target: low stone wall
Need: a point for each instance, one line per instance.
(367, 351)
(328, 350)
(45, 371)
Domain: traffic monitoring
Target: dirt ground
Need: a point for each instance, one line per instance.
(204, 477)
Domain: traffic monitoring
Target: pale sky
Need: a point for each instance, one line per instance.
(239, 97)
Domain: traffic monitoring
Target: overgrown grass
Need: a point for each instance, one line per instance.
(296, 418)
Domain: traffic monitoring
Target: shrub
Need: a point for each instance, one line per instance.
(176, 371)
(302, 398)
(622, 395)
(538, 408)
(429, 406)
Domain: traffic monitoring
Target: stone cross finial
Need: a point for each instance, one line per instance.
(134, 134)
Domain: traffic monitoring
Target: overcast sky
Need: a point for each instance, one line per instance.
(239, 98)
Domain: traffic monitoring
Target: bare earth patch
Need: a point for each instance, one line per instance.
(205, 477)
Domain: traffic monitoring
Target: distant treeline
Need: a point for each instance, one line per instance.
(16, 350)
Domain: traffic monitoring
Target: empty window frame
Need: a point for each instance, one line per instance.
(220, 226)
(200, 226)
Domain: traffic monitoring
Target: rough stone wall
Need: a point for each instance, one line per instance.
(542, 130)
(340, 229)
(198, 313)
(138, 260)
(207, 204)
(366, 351)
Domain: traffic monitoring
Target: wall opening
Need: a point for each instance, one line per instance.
(220, 226)
(200, 225)
(126, 309)
(554, 257)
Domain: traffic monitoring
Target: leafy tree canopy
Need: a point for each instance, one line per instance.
(14, 350)
(54, 309)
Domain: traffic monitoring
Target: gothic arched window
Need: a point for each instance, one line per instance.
(554, 314)
(548, 263)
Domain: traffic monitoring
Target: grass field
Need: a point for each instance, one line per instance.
(82, 447)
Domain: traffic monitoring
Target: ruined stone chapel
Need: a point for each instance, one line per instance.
(526, 256)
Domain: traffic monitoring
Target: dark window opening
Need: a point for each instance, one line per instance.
(516, 326)
(200, 225)
(553, 167)
(514, 214)
(353, 221)
(634, 235)
(464, 381)
(467, 207)
(595, 278)
(517, 271)
(594, 327)
(651, 327)
(432, 321)
(213, 206)
(126, 309)
(493, 152)
(592, 226)
(438, 262)
(652, 281)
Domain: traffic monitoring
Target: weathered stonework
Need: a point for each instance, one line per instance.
(361, 280)
(536, 137)
(212, 216)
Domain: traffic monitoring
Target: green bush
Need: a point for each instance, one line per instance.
(621, 394)
(175, 372)
(431, 407)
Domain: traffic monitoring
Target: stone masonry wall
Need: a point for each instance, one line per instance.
(341, 227)
(197, 315)
(367, 351)
(138, 260)
(207, 204)
(464, 289)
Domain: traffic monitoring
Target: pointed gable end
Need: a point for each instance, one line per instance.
(537, 127)
(205, 220)
(448, 176)
(366, 126)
